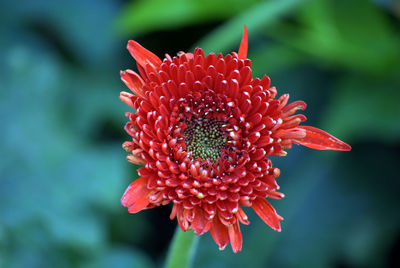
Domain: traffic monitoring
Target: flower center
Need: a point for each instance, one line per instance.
(204, 138)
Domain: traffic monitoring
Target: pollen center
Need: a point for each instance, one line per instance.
(204, 138)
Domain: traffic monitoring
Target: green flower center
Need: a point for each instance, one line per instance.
(204, 138)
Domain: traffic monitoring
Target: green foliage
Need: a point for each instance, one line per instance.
(332, 32)
(352, 119)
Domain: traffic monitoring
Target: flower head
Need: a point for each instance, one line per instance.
(203, 128)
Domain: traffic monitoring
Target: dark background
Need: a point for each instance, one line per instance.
(63, 171)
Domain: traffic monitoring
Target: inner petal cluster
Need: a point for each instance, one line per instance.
(203, 128)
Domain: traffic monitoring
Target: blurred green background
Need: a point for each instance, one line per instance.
(63, 171)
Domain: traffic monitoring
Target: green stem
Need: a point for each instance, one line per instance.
(182, 249)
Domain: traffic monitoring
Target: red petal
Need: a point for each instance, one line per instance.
(318, 139)
(173, 211)
(133, 81)
(200, 223)
(242, 53)
(135, 159)
(142, 55)
(181, 216)
(235, 237)
(267, 213)
(136, 196)
(242, 216)
(219, 233)
(126, 98)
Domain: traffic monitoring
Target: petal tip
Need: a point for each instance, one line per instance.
(142, 55)
(136, 196)
(235, 237)
(346, 147)
(267, 213)
(318, 139)
(242, 53)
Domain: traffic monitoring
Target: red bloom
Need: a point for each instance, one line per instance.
(203, 129)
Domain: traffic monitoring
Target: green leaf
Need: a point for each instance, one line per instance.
(256, 18)
(352, 34)
(152, 15)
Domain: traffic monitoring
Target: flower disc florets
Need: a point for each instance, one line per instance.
(203, 129)
(205, 138)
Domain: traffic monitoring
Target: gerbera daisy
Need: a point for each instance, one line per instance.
(203, 128)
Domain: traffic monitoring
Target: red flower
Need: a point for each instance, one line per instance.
(203, 129)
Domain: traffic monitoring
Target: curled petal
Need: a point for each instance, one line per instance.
(219, 233)
(267, 213)
(129, 146)
(126, 98)
(188, 56)
(133, 81)
(136, 159)
(283, 100)
(200, 223)
(235, 236)
(182, 215)
(136, 196)
(173, 211)
(275, 195)
(142, 55)
(292, 108)
(318, 139)
(242, 216)
(242, 53)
